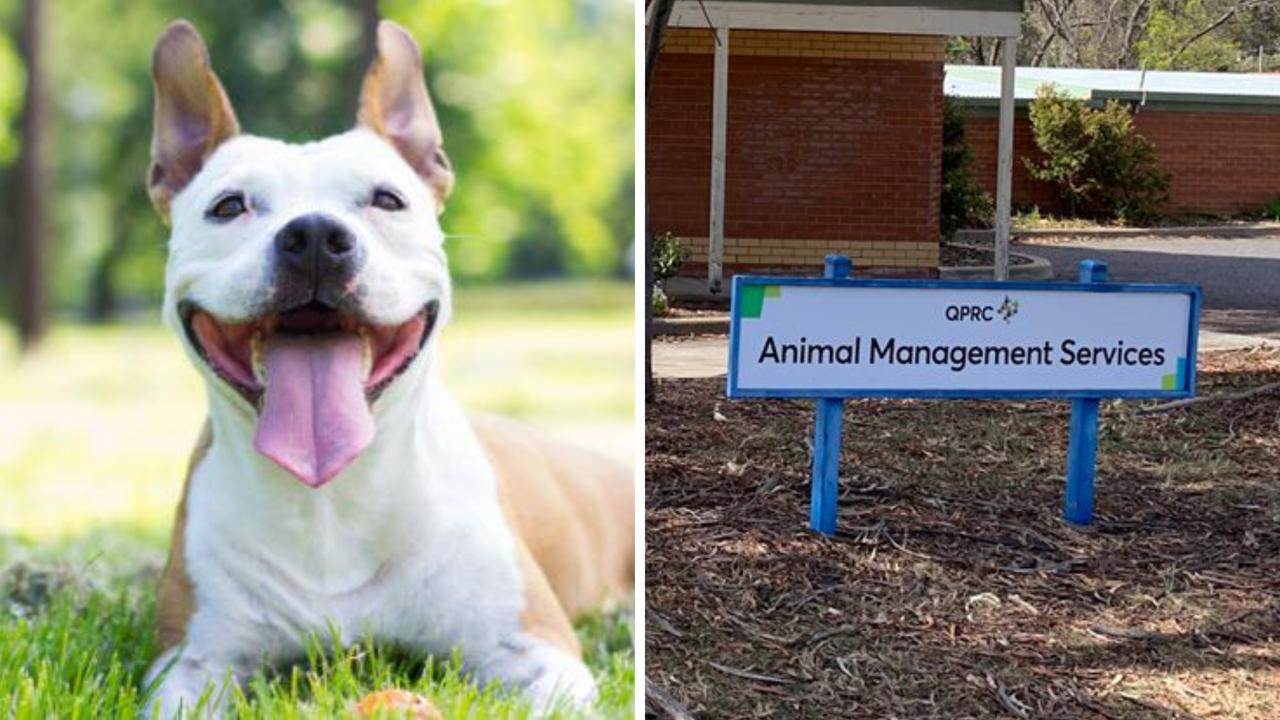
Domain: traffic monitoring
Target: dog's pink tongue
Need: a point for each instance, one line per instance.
(315, 419)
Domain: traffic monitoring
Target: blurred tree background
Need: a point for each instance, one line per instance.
(1194, 35)
(535, 98)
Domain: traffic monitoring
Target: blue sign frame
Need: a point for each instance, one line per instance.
(1082, 447)
(1188, 374)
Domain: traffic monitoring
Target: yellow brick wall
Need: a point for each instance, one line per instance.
(689, 41)
(764, 252)
(784, 43)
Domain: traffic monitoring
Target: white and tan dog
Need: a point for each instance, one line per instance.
(337, 483)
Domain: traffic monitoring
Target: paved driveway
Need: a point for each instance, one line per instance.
(1240, 276)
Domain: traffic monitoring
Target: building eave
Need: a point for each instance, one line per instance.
(942, 19)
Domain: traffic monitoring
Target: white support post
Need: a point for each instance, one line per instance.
(719, 120)
(1004, 164)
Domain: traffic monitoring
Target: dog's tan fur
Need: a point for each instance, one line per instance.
(390, 86)
(570, 511)
(195, 92)
(175, 600)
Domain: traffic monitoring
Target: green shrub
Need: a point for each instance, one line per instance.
(963, 202)
(669, 255)
(1272, 210)
(661, 304)
(1102, 167)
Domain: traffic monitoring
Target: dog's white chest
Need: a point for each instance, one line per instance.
(410, 545)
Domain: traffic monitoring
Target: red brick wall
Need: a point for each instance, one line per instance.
(678, 146)
(981, 131)
(1220, 162)
(833, 148)
(827, 150)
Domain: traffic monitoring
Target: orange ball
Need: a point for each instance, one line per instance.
(407, 703)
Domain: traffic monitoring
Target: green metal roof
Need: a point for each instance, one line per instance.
(986, 5)
(980, 85)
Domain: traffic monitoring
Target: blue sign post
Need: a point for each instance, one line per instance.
(1082, 444)
(828, 425)
(834, 337)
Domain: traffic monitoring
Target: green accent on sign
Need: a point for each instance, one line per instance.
(1169, 382)
(752, 302)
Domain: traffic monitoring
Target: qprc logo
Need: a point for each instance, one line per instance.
(1008, 309)
(983, 313)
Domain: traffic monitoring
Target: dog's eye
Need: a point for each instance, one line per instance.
(227, 207)
(384, 199)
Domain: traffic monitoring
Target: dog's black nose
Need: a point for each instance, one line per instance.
(317, 249)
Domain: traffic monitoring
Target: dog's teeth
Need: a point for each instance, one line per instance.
(255, 358)
(366, 354)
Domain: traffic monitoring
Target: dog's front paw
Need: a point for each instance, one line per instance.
(188, 688)
(566, 684)
(547, 675)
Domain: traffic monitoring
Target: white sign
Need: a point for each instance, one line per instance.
(819, 338)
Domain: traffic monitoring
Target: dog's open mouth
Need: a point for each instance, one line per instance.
(312, 372)
(237, 351)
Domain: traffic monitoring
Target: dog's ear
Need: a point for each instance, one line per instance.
(192, 116)
(394, 104)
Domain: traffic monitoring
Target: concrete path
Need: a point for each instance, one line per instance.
(692, 358)
(709, 356)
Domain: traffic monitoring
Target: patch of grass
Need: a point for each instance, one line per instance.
(72, 651)
(95, 429)
(1033, 219)
(73, 657)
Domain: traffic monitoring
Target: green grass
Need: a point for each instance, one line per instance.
(77, 652)
(95, 428)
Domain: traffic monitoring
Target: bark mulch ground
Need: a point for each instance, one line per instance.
(954, 589)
